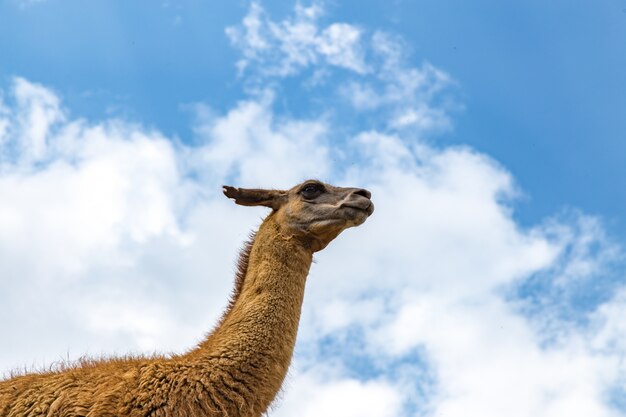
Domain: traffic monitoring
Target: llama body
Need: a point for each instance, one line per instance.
(239, 368)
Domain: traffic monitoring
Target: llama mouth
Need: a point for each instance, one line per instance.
(369, 209)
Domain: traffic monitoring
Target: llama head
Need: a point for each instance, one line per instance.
(313, 211)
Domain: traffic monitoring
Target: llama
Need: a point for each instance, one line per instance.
(240, 366)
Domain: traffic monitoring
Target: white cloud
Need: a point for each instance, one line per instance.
(286, 47)
(409, 93)
(609, 321)
(4, 121)
(38, 110)
(376, 74)
(318, 395)
(249, 146)
(489, 362)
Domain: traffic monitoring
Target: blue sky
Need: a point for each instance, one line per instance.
(489, 282)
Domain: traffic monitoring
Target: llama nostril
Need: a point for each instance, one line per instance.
(364, 193)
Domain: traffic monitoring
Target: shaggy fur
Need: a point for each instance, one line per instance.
(239, 368)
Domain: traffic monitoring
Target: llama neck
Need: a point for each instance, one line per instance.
(256, 337)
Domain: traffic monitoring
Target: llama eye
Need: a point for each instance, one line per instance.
(311, 191)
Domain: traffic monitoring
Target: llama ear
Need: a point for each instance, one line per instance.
(255, 196)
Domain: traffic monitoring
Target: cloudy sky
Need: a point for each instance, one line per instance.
(491, 281)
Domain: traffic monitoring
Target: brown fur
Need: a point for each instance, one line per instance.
(236, 371)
